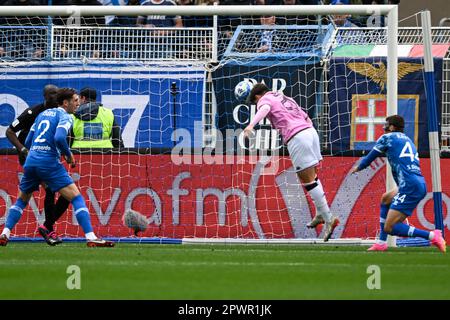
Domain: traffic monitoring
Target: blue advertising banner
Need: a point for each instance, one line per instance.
(358, 101)
(141, 97)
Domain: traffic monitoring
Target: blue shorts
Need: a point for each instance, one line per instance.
(55, 178)
(406, 200)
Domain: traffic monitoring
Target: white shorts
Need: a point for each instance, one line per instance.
(304, 149)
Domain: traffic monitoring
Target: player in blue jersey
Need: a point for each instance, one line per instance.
(47, 140)
(399, 203)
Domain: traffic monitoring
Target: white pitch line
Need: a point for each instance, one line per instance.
(176, 263)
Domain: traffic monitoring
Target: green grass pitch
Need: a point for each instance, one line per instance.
(147, 271)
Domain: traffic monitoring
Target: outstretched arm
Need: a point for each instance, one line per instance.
(367, 160)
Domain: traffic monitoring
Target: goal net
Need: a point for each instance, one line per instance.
(184, 163)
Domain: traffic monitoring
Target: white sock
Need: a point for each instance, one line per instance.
(7, 232)
(320, 201)
(381, 241)
(90, 236)
(431, 236)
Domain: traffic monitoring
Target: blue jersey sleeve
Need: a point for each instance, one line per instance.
(367, 160)
(61, 142)
(378, 150)
(65, 122)
(62, 129)
(382, 144)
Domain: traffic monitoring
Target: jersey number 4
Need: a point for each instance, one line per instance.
(407, 151)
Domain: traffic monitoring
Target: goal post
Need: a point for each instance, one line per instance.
(141, 77)
(432, 120)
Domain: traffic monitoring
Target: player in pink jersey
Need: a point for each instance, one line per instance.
(302, 141)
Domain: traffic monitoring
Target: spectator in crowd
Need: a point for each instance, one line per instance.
(344, 20)
(80, 43)
(375, 20)
(340, 2)
(25, 44)
(82, 21)
(233, 22)
(24, 20)
(89, 21)
(125, 47)
(297, 2)
(159, 20)
(267, 35)
(94, 125)
(194, 48)
(157, 45)
(124, 21)
(195, 21)
(297, 20)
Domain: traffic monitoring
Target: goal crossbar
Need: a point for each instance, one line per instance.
(219, 10)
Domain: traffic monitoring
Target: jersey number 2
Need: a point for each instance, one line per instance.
(408, 152)
(46, 124)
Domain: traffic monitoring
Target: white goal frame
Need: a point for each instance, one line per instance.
(391, 11)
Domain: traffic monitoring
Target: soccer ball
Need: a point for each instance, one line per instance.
(242, 90)
(135, 220)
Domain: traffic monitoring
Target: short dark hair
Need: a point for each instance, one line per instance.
(258, 89)
(50, 92)
(49, 88)
(396, 121)
(65, 94)
(89, 93)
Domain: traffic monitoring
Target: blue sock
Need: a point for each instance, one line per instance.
(14, 213)
(384, 208)
(81, 213)
(404, 230)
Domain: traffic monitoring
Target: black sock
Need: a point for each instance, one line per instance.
(61, 206)
(49, 207)
(58, 210)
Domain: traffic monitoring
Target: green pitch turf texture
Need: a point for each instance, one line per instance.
(133, 271)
